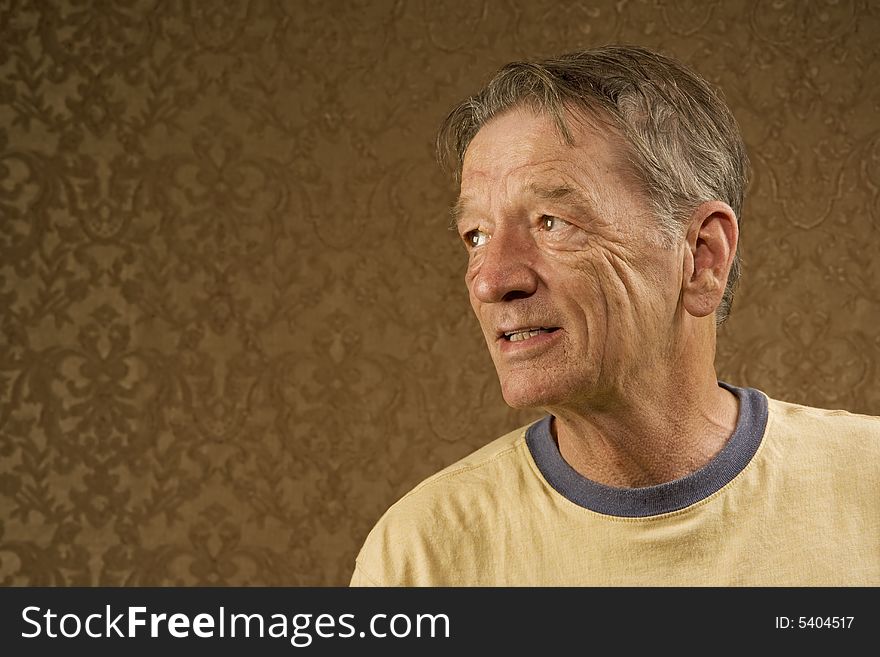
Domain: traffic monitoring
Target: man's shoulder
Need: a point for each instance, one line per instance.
(487, 467)
(456, 501)
(838, 422)
(495, 453)
(833, 437)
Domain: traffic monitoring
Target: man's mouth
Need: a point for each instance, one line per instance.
(527, 333)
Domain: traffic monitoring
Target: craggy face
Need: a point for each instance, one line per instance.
(568, 273)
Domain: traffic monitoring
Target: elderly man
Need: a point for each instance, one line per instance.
(600, 197)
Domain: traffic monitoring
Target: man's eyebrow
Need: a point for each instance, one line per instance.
(576, 198)
(561, 192)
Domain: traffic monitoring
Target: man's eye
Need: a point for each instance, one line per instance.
(549, 222)
(475, 238)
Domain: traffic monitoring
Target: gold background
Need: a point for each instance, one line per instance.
(234, 327)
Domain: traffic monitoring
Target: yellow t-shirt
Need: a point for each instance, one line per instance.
(792, 499)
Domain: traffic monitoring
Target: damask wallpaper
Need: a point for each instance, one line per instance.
(234, 325)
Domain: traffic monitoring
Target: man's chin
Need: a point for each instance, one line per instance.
(524, 395)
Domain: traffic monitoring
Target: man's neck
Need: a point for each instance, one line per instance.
(668, 426)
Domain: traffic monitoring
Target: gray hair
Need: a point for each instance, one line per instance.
(683, 144)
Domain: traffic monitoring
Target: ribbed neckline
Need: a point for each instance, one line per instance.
(666, 497)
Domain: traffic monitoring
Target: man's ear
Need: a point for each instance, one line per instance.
(712, 236)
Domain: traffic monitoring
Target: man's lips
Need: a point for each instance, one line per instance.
(521, 333)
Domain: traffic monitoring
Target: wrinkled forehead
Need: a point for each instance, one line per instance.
(510, 141)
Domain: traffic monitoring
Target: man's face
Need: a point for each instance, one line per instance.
(568, 274)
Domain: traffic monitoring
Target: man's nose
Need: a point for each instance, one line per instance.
(506, 271)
